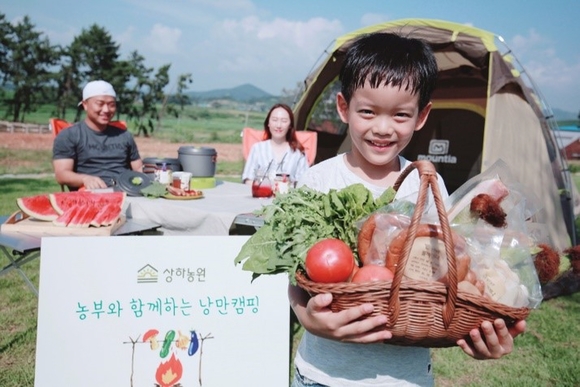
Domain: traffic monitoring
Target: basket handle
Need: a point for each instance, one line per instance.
(428, 178)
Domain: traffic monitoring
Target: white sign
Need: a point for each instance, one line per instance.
(162, 311)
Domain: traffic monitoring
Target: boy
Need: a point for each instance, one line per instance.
(387, 82)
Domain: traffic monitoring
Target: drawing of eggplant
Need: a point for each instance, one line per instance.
(193, 344)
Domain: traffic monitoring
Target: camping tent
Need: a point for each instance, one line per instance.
(483, 110)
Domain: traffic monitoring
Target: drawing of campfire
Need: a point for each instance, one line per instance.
(170, 372)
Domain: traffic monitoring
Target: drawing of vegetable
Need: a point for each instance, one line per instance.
(169, 336)
(193, 344)
(182, 340)
(151, 337)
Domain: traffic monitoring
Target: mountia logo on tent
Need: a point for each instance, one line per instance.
(483, 110)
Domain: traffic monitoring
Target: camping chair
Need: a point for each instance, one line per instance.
(57, 125)
(308, 139)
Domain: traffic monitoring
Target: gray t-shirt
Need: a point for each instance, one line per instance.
(335, 363)
(104, 154)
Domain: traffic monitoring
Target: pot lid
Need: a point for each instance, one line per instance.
(160, 160)
(132, 182)
(195, 150)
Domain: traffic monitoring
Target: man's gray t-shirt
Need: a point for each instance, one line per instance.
(104, 154)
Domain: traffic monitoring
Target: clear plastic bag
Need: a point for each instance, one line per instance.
(502, 257)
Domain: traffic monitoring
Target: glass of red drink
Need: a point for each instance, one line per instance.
(262, 187)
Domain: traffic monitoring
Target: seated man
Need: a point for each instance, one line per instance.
(92, 153)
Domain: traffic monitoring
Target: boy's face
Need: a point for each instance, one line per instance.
(381, 123)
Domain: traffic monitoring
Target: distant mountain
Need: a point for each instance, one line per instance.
(561, 115)
(243, 93)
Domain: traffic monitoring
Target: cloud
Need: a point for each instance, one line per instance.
(230, 5)
(556, 78)
(272, 54)
(125, 38)
(163, 39)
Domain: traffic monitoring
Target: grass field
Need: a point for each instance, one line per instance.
(548, 354)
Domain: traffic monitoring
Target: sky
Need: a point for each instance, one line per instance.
(274, 45)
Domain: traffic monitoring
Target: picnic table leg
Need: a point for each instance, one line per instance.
(16, 263)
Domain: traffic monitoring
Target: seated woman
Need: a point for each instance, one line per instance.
(280, 152)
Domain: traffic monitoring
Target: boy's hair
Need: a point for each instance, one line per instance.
(388, 59)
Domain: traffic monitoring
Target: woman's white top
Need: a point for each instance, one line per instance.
(293, 163)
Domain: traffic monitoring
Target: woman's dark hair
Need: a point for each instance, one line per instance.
(389, 59)
(291, 134)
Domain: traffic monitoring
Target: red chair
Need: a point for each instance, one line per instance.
(57, 124)
(308, 139)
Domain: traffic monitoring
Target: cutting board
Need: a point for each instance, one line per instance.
(20, 222)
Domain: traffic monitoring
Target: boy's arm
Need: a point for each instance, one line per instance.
(497, 339)
(316, 317)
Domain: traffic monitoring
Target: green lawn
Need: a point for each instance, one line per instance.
(548, 354)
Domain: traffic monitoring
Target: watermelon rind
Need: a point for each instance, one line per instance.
(37, 207)
(61, 201)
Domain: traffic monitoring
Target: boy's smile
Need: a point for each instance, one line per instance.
(381, 122)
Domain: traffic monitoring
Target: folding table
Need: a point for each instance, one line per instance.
(26, 247)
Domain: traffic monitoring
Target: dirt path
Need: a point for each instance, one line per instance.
(148, 147)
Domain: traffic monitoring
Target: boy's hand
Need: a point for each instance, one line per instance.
(343, 326)
(497, 340)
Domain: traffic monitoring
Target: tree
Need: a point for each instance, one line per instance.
(180, 98)
(144, 112)
(290, 96)
(5, 38)
(92, 55)
(28, 58)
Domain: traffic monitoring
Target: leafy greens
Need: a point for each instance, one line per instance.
(298, 219)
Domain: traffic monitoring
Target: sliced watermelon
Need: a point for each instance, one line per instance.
(64, 219)
(107, 215)
(84, 217)
(61, 201)
(37, 207)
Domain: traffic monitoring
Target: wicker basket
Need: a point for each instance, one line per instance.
(421, 313)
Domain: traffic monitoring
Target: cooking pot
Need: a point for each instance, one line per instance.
(199, 161)
(152, 164)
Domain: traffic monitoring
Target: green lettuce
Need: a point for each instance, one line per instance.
(298, 219)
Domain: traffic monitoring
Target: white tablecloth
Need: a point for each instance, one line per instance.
(211, 215)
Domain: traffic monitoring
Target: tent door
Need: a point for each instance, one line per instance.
(453, 140)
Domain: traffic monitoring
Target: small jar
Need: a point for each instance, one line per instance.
(165, 175)
(262, 187)
(281, 183)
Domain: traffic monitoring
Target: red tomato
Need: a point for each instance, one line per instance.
(354, 271)
(329, 260)
(371, 273)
